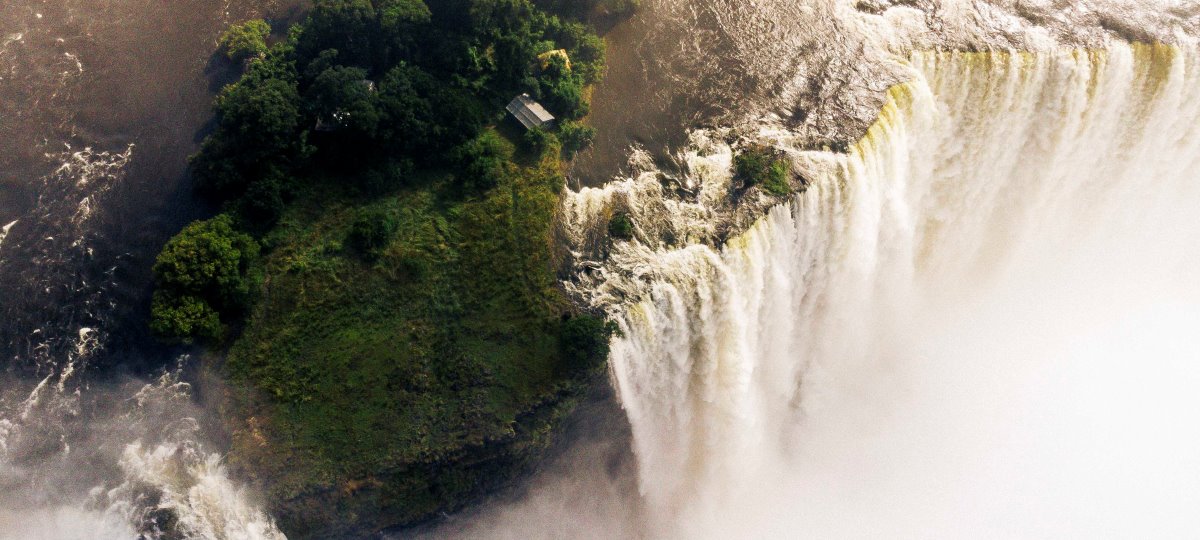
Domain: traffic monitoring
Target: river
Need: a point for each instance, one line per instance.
(101, 102)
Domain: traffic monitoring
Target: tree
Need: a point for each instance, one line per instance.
(400, 22)
(348, 26)
(422, 118)
(344, 97)
(184, 318)
(246, 40)
(510, 31)
(202, 271)
(407, 114)
(574, 136)
(257, 135)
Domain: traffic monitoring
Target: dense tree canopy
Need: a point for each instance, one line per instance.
(199, 274)
(246, 40)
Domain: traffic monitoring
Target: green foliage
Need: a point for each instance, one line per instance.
(561, 89)
(400, 22)
(185, 318)
(483, 161)
(621, 226)
(410, 328)
(371, 231)
(344, 98)
(258, 131)
(246, 40)
(404, 102)
(509, 32)
(262, 203)
(574, 136)
(539, 140)
(386, 177)
(347, 26)
(200, 273)
(765, 167)
(584, 47)
(583, 342)
(447, 341)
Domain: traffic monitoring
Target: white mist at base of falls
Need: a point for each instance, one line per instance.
(980, 322)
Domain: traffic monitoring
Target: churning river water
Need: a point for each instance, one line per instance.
(101, 101)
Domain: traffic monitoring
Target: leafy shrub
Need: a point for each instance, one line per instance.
(620, 226)
(185, 318)
(262, 203)
(575, 137)
(562, 89)
(539, 140)
(246, 40)
(765, 167)
(371, 231)
(483, 161)
(386, 177)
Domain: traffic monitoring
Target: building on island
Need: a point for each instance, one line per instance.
(529, 113)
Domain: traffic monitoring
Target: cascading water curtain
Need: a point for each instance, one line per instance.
(938, 337)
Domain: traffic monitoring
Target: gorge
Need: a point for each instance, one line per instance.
(974, 318)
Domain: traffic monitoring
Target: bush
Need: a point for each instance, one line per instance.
(246, 40)
(764, 167)
(185, 318)
(483, 161)
(262, 203)
(620, 226)
(371, 231)
(539, 140)
(574, 137)
(385, 177)
(201, 274)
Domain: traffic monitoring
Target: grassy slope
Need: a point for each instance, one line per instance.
(405, 385)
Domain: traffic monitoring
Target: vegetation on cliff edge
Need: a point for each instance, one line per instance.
(765, 167)
(381, 273)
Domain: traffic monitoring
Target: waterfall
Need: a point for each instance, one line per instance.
(978, 322)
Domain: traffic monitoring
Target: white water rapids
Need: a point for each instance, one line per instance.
(982, 322)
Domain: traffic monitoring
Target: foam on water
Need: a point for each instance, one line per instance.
(975, 323)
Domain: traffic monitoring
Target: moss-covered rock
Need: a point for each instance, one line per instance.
(765, 167)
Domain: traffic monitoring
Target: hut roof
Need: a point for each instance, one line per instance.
(528, 112)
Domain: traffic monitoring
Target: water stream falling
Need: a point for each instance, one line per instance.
(980, 322)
